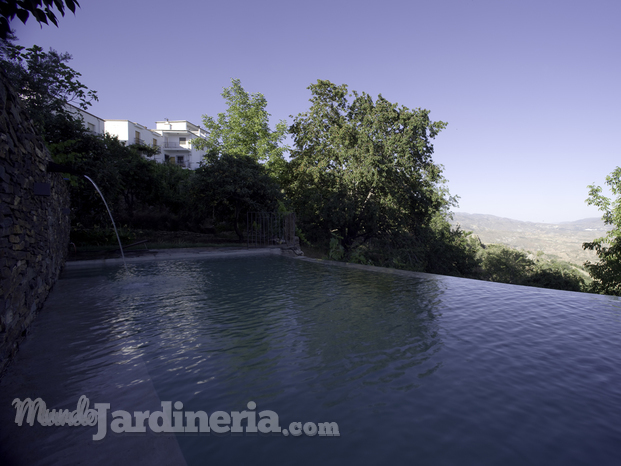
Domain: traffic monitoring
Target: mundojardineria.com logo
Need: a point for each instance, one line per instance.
(170, 418)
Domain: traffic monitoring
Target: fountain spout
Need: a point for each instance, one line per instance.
(109, 213)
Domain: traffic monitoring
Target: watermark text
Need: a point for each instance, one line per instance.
(170, 419)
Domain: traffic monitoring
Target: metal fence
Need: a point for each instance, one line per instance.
(265, 229)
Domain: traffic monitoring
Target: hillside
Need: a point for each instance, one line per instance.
(563, 240)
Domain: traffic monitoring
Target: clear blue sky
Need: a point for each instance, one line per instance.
(531, 90)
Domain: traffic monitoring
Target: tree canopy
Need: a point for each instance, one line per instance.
(362, 168)
(45, 82)
(42, 10)
(606, 273)
(244, 129)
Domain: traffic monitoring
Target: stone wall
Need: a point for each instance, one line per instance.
(34, 221)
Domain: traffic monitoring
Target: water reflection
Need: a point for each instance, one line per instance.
(369, 328)
(414, 370)
(219, 327)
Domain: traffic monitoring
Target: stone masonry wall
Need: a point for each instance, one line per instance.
(34, 223)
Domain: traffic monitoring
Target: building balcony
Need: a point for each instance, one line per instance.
(176, 146)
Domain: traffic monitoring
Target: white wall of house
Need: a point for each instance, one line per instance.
(118, 128)
(134, 133)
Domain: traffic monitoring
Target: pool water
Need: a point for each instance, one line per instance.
(414, 368)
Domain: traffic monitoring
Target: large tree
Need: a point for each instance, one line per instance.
(361, 168)
(606, 273)
(244, 129)
(46, 84)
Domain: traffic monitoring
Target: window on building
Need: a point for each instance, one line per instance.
(137, 137)
(182, 141)
(91, 127)
(154, 142)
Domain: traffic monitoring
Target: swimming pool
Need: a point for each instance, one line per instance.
(414, 368)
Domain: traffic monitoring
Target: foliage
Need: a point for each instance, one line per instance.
(449, 251)
(243, 130)
(46, 83)
(171, 187)
(606, 273)
(503, 264)
(124, 176)
(362, 169)
(145, 149)
(229, 186)
(41, 10)
(336, 251)
(555, 276)
(434, 248)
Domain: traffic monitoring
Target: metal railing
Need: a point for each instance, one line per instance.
(265, 229)
(175, 145)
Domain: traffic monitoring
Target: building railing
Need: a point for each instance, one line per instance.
(175, 145)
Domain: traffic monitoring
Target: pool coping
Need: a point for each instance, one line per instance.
(204, 253)
(173, 254)
(368, 268)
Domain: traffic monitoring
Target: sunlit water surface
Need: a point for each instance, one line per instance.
(418, 369)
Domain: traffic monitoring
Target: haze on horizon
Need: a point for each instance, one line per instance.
(529, 89)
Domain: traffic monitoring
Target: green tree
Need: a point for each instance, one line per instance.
(506, 265)
(42, 10)
(46, 84)
(362, 169)
(172, 188)
(555, 277)
(244, 129)
(229, 186)
(125, 177)
(606, 273)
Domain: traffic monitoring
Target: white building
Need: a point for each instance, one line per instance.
(177, 146)
(172, 137)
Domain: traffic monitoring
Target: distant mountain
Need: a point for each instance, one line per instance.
(562, 240)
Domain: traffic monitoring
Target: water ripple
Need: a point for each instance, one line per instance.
(424, 369)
